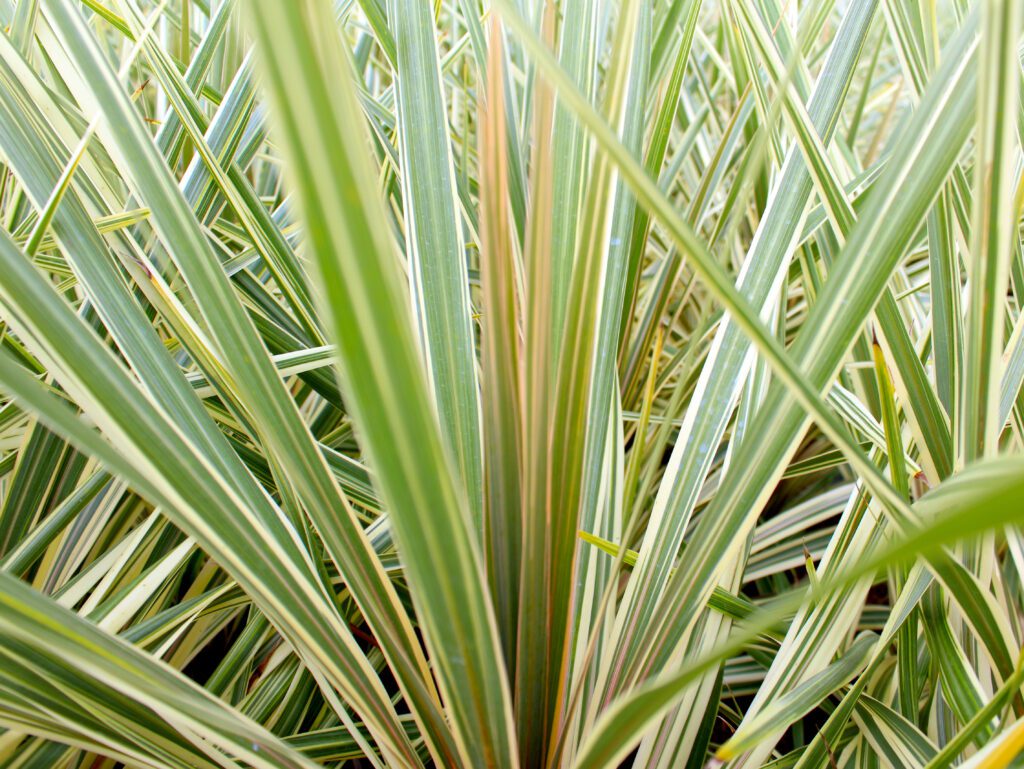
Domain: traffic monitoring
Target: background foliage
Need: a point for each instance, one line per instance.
(511, 383)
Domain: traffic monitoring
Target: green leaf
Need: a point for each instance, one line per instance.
(433, 233)
(381, 370)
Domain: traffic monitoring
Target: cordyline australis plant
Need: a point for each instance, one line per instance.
(511, 383)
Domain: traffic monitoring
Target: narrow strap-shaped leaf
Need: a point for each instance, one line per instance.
(500, 352)
(555, 473)
(253, 375)
(893, 737)
(256, 544)
(920, 401)
(434, 243)
(711, 407)
(926, 152)
(993, 224)
(967, 506)
(382, 372)
(232, 184)
(960, 686)
(713, 275)
(578, 44)
(801, 699)
(599, 511)
(654, 160)
(47, 469)
(981, 722)
(77, 648)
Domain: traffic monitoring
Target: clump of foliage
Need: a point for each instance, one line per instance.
(511, 383)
